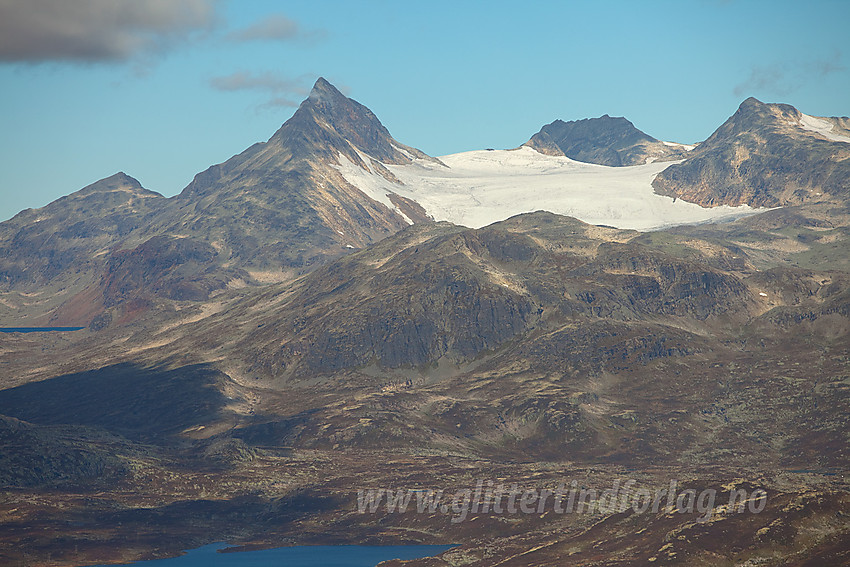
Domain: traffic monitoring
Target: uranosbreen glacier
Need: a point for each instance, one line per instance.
(478, 188)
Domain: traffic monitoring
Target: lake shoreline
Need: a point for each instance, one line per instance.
(221, 553)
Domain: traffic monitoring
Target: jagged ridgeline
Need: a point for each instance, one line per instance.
(329, 182)
(766, 155)
(605, 140)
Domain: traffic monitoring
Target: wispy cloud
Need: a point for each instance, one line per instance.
(93, 31)
(276, 27)
(281, 90)
(830, 65)
(774, 79)
(781, 79)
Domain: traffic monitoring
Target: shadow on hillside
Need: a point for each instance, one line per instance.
(142, 404)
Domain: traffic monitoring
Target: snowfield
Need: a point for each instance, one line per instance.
(686, 147)
(823, 127)
(478, 188)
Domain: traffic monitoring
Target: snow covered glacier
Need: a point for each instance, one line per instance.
(478, 188)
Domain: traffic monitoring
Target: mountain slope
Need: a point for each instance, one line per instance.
(765, 155)
(537, 350)
(540, 336)
(39, 244)
(279, 208)
(282, 204)
(605, 140)
(49, 254)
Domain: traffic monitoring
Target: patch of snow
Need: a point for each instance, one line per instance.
(686, 147)
(403, 152)
(823, 127)
(373, 184)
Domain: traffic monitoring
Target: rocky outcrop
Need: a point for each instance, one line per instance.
(605, 140)
(72, 234)
(762, 156)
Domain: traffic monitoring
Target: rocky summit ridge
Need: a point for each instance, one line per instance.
(606, 140)
(766, 155)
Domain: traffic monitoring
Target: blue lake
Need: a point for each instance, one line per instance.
(301, 556)
(37, 329)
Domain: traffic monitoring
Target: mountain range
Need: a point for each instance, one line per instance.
(332, 310)
(332, 180)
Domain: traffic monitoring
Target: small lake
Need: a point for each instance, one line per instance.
(301, 556)
(37, 329)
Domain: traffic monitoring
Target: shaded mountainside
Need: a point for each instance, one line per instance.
(765, 155)
(48, 456)
(137, 403)
(605, 140)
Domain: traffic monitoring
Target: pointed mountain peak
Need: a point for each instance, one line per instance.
(117, 182)
(324, 89)
(326, 99)
(751, 102)
(330, 123)
(328, 103)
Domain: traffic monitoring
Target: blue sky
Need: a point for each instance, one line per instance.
(162, 89)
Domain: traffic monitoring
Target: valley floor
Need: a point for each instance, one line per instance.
(284, 497)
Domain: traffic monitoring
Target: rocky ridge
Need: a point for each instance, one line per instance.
(765, 155)
(606, 140)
